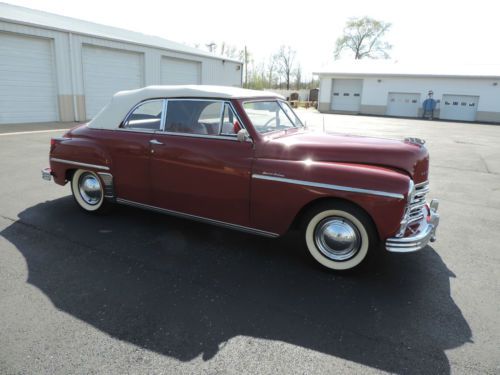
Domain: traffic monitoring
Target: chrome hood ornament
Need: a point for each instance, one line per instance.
(416, 141)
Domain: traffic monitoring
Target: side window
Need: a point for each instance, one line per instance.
(193, 117)
(230, 124)
(146, 116)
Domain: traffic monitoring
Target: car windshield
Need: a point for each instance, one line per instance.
(270, 116)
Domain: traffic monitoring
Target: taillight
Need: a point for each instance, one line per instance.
(52, 144)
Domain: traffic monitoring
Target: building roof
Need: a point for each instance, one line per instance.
(32, 17)
(122, 102)
(391, 68)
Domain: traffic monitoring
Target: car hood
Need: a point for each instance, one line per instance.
(409, 156)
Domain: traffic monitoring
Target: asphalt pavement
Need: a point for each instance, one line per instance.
(139, 292)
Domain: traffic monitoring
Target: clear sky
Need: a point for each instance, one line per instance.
(443, 32)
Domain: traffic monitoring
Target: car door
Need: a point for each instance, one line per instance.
(130, 150)
(198, 167)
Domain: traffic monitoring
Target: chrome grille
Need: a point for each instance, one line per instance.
(415, 210)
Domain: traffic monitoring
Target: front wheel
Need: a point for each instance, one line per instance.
(88, 191)
(339, 235)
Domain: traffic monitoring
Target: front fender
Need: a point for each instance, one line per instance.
(281, 188)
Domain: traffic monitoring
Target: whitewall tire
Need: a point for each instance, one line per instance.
(88, 190)
(338, 236)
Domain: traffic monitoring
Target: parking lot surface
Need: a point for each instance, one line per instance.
(139, 292)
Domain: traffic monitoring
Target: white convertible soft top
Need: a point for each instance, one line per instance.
(122, 102)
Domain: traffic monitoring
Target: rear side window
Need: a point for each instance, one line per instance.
(146, 116)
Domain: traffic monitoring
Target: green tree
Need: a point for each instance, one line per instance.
(364, 37)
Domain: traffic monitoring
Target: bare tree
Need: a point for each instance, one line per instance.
(212, 47)
(363, 37)
(228, 50)
(298, 77)
(271, 68)
(286, 63)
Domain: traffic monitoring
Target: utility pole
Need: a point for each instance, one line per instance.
(246, 66)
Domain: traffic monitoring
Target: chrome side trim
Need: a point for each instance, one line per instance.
(329, 186)
(224, 137)
(95, 166)
(135, 130)
(197, 218)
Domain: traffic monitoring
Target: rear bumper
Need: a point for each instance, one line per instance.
(47, 174)
(424, 233)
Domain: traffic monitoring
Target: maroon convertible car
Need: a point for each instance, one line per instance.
(243, 159)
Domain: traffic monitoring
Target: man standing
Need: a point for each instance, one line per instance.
(429, 106)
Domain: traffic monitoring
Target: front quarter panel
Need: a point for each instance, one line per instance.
(275, 204)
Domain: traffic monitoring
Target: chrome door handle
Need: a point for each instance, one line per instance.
(155, 142)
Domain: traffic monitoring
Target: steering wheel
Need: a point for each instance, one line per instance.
(269, 121)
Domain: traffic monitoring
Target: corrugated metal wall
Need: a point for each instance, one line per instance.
(70, 73)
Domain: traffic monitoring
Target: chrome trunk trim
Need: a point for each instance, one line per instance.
(197, 218)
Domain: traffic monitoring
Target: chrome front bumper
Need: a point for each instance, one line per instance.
(424, 233)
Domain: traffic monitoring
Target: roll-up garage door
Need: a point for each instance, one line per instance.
(346, 95)
(107, 71)
(459, 107)
(403, 104)
(27, 80)
(180, 72)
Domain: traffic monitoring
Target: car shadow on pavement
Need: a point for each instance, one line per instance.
(184, 289)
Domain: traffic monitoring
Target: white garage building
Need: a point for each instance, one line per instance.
(470, 93)
(55, 68)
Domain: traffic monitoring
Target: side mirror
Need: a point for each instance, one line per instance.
(242, 135)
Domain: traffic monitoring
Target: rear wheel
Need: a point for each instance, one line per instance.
(339, 235)
(88, 191)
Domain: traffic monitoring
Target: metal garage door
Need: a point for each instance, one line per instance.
(106, 71)
(459, 107)
(27, 81)
(403, 104)
(346, 94)
(180, 72)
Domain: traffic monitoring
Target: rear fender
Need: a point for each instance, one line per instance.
(68, 154)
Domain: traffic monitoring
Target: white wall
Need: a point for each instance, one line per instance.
(68, 66)
(213, 71)
(60, 42)
(376, 93)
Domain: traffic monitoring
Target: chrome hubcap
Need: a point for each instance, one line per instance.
(90, 188)
(337, 238)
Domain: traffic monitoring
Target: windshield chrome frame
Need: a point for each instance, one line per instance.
(279, 102)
